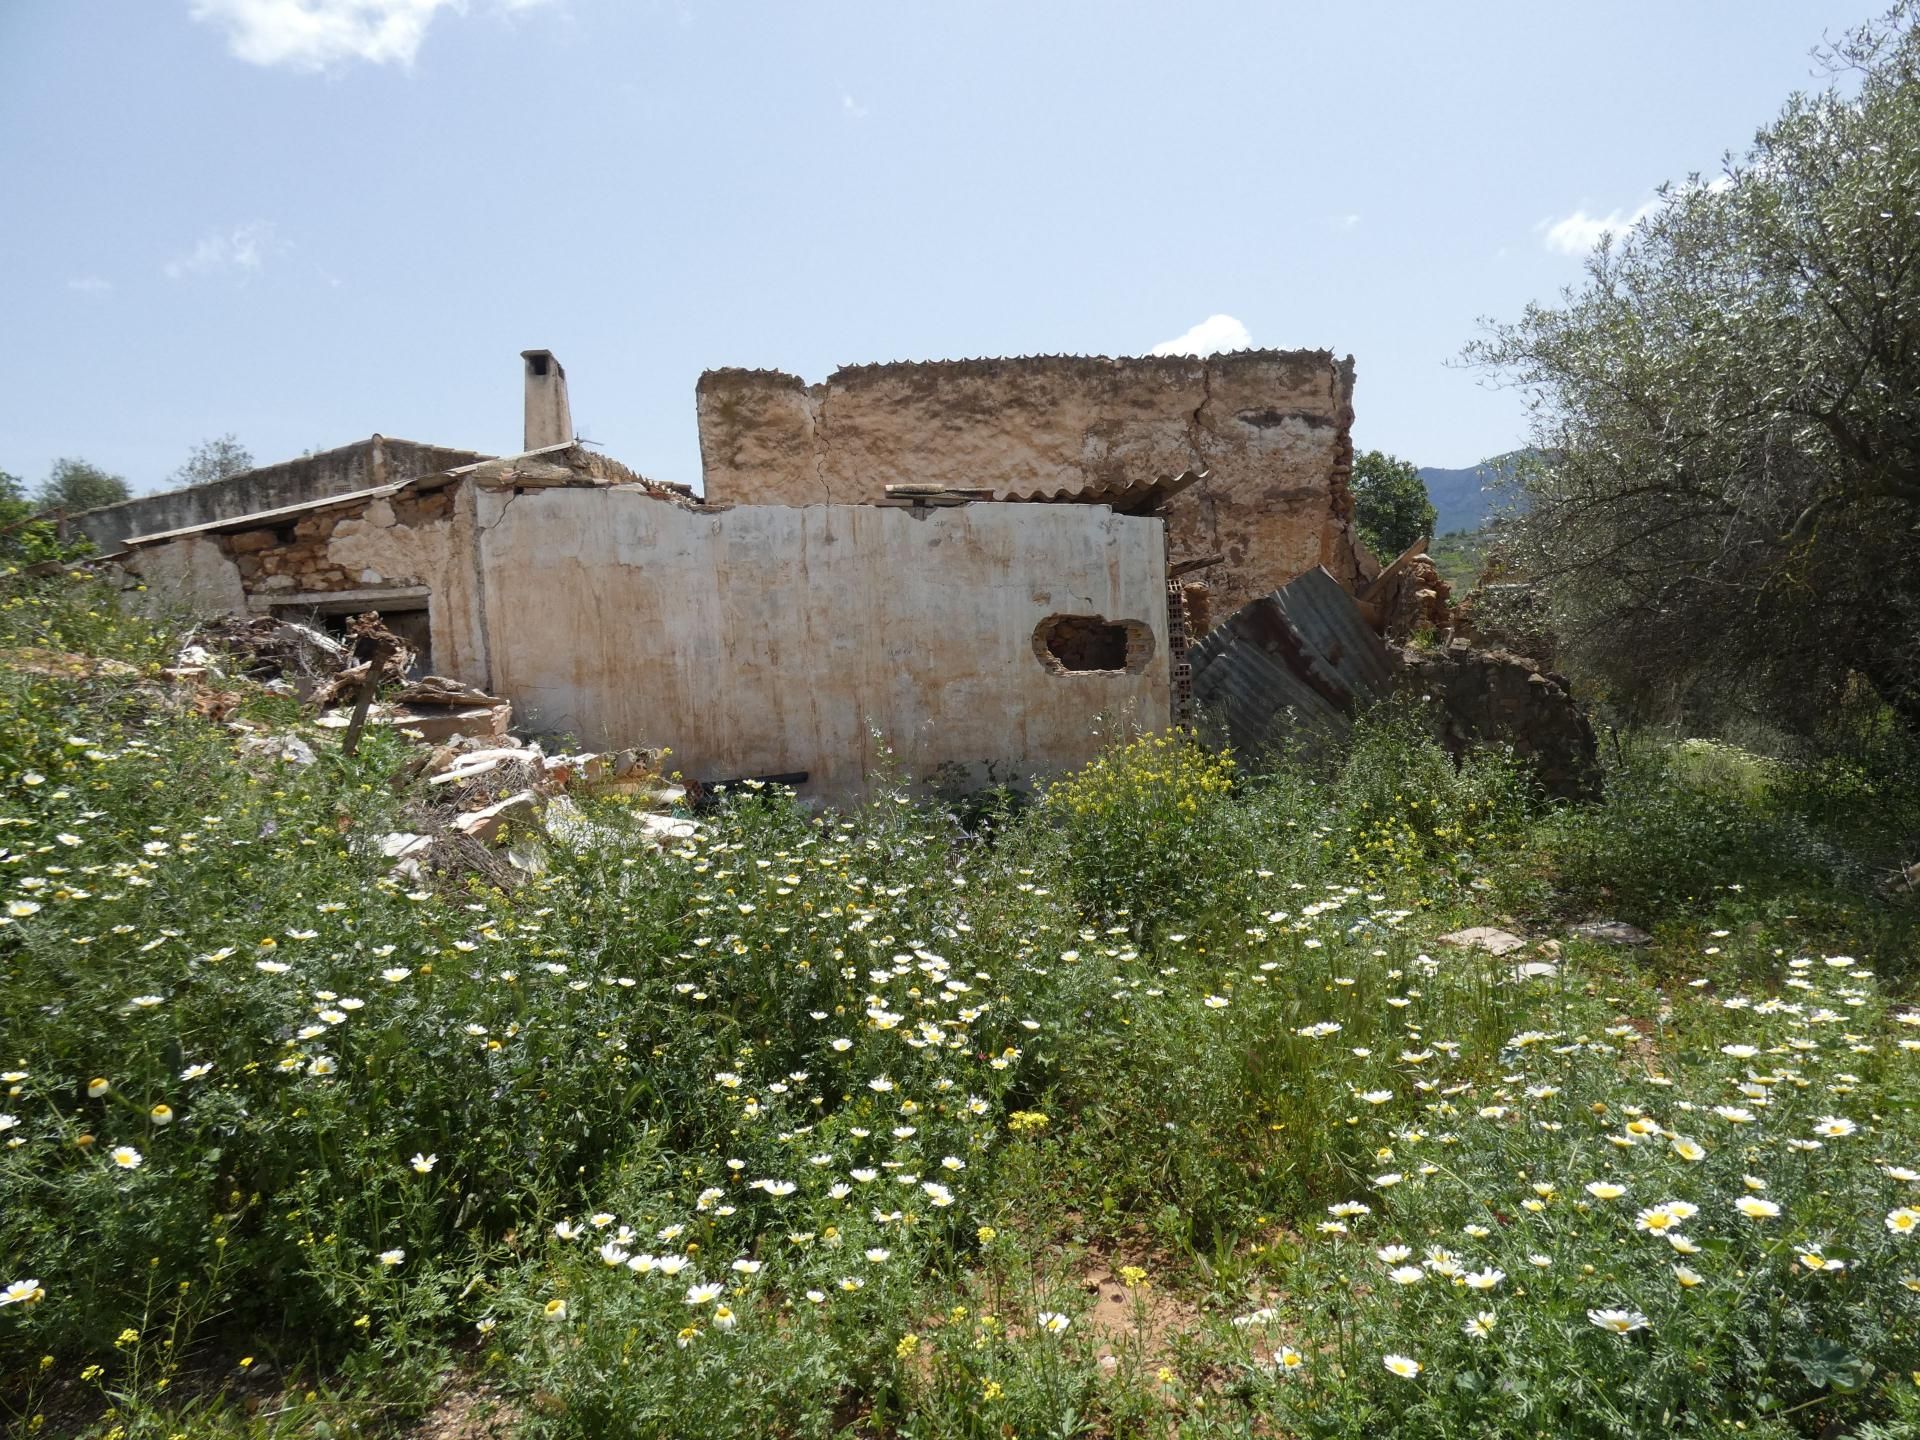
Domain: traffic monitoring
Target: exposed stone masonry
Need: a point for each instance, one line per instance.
(1272, 428)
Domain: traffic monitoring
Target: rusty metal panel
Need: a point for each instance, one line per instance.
(1289, 669)
(1332, 623)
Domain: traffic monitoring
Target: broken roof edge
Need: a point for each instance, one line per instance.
(994, 365)
(238, 476)
(1123, 497)
(593, 471)
(262, 519)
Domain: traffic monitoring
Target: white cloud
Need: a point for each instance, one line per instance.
(318, 34)
(242, 250)
(90, 284)
(1347, 221)
(1578, 233)
(852, 108)
(1213, 334)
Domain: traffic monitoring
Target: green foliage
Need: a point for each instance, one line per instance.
(24, 541)
(74, 485)
(1390, 504)
(1460, 556)
(895, 1090)
(213, 459)
(1727, 428)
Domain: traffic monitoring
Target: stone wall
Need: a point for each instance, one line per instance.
(362, 465)
(1272, 427)
(410, 551)
(1481, 697)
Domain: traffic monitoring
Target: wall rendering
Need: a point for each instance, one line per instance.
(765, 640)
(1272, 427)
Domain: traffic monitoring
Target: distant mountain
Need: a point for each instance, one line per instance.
(1464, 499)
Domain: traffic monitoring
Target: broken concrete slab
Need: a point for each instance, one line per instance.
(1611, 932)
(1484, 937)
(475, 763)
(485, 825)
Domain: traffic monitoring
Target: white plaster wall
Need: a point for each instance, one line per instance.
(189, 576)
(768, 639)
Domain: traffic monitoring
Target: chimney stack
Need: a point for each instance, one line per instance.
(549, 418)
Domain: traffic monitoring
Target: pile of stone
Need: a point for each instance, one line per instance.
(485, 801)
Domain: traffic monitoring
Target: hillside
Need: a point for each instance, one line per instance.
(1464, 499)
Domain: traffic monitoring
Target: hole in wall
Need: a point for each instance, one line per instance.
(1092, 645)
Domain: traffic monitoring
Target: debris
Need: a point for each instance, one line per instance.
(486, 825)
(377, 656)
(1611, 932)
(264, 648)
(439, 690)
(479, 762)
(1484, 937)
(400, 844)
(288, 749)
(1408, 596)
(1476, 697)
(1290, 669)
(1535, 970)
(439, 723)
(663, 828)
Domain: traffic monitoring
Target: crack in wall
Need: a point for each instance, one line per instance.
(821, 441)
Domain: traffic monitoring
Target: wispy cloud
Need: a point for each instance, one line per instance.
(1211, 335)
(1578, 233)
(852, 108)
(320, 34)
(1347, 221)
(241, 250)
(90, 285)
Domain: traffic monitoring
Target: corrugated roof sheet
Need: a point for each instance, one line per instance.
(1127, 497)
(1289, 669)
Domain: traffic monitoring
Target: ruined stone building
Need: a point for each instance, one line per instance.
(969, 558)
(1269, 431)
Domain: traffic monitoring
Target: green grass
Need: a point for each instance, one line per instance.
(1460, 556)
(801, 1127)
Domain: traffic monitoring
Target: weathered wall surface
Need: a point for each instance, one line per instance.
(359, 466)
(766, 640)
(372, 553)
(1273, 427)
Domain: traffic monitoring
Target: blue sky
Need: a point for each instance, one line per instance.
(304, 221)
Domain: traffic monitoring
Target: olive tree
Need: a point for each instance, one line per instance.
(1725, 509)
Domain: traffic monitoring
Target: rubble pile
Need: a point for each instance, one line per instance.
(1480, 697)
(1290, 671)
(485, 801)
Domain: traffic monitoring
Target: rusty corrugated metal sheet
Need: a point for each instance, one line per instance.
(1289, 669)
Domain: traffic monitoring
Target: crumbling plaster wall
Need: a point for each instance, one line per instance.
(1272, 427)
(368, 551)
(764, 639)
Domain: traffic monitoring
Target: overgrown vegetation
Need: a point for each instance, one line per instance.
(824, 1124)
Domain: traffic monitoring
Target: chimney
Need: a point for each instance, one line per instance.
(549, 419)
